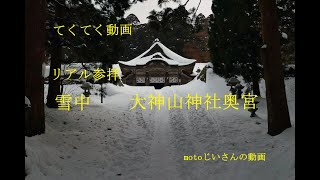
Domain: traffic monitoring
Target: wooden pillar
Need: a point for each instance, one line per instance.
(134, 78)
(179, 78)
(166, 79)
(147, 79)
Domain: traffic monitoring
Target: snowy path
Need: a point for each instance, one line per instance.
(162, 163)
(110, 141)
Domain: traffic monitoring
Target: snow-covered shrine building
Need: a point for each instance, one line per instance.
(158, 67)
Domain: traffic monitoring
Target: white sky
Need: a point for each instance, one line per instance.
(141, 10)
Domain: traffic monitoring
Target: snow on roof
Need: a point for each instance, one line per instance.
(173, 58)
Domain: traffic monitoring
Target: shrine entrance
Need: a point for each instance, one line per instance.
(157, 85)
(158, 67)
(157, 82)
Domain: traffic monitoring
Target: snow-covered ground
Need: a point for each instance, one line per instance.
(109, 141)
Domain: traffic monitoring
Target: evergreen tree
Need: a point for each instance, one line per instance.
(235, 40)
(82, 47)
(172, 26)
(199, 23)
(286, 14)
(132, 19)
(220, 37)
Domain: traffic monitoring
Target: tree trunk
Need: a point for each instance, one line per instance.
(101, 93)
(54, 85)
(278, 113)
(255, 87)
(61, 86)
(55, 63)
(34, 57)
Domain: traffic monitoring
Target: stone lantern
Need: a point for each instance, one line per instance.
(86, 87)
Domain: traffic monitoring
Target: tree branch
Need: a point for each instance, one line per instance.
(186, 3)
(197, 8)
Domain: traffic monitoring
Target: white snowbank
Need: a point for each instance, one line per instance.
(199, 66)
(109, 141)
